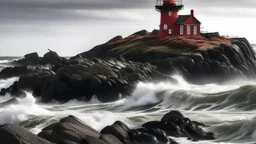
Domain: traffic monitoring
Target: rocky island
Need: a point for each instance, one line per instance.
(110, 71)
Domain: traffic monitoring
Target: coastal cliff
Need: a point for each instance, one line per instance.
(209, 58)
(110, 71)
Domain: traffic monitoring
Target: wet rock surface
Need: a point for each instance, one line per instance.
(71, 130)
(111, 71)
(81, 78)
(51, 58)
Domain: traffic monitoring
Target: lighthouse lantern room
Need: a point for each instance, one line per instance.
(173, 24)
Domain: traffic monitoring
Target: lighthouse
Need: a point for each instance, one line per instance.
(173, 24)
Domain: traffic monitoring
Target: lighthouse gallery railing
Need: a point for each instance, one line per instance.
(160, 2)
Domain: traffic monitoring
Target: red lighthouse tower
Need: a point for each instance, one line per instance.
(173, 24)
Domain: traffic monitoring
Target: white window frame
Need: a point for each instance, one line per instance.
(181, 29)
(170, 13)
(195, 30)
(165, 26)
(188, 29)
(170, 31)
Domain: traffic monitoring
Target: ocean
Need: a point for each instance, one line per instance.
(228, 109)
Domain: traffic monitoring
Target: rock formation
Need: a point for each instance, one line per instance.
(71, 130)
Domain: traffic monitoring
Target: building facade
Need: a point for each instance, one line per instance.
(173, 24)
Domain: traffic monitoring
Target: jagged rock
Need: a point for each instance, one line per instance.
(69, 129)
(170, 128)
(138, 137)
(172, 116)
(175, 124)
(15, 71)
(52, 58)
(116, 38)
(13, 134)
(110, 139)
(160, 135)
(119, 130)
(32, 57)
(92, 140)
(67, 142)
(155, 32)
(141, 33)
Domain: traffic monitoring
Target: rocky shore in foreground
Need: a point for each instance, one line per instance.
(71, 130)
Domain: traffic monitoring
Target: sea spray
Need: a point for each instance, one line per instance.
(21, 110)
(227, 109)
(5, 83)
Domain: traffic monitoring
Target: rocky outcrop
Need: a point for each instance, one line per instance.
(83, 78)
(13, 134)
(175, 124)
(15, 71)
(157, 132)
(111, 70)
(68, 129)
(209, 58)
(33, 59)
(71, 130)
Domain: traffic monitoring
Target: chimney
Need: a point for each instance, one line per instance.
(192, 12)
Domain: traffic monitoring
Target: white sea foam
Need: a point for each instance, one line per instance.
(5, 61)
(151, 93)
(178, 95)
(20, 111)
(5, 83)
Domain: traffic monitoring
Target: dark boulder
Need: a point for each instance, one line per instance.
(3, 92)
(15, 91)
(170, 128)
(28, 81)
(119, 130)
(53, 58)
(93, 140)
(141, 33)
(190, 128)
(67, 142)
(175, 124)
(110, 139)
(13, 134)
(15, 71)
(137, 137)
(161, 135)
(173, 116)
(155, 32)
(69, 129)
(116, 38)
(32, 57)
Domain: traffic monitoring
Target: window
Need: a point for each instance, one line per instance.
(195, 29)
(181, 29)
(170, 31)
(165, 27)
(188, 29)
(170, 13)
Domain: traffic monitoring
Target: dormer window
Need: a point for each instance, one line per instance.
(170, 13)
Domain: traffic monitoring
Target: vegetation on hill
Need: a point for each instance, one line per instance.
(141, 44)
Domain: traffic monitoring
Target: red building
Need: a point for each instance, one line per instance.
(173, 24)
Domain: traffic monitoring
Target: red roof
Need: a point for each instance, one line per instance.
(183, 18)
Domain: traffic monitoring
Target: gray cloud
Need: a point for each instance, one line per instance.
(14, 11)
(66, 23)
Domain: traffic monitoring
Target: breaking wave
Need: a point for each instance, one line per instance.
(228, 109)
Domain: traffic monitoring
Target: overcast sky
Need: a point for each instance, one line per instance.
(73, 26)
